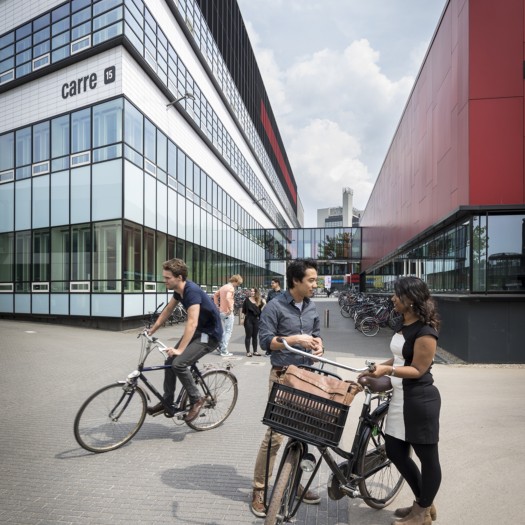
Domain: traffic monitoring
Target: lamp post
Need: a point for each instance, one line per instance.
(180, 99)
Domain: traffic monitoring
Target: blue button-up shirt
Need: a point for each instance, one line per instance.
(281, 318)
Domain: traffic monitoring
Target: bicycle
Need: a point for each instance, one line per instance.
(111, 416)
(309, 420)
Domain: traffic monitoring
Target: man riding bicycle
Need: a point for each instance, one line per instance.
(202, 335)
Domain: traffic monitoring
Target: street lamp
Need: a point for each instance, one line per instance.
(176, 101)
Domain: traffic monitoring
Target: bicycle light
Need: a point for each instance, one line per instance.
(308, 463)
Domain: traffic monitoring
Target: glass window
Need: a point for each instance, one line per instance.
(150, 142)
(107, 123)
(41, 201)
(7, 207)
(81, 252)
(149, 255)
(80, 194)
(107, 18)
(23, 31)
(40, 142)
(162, 145)
(61, 40)
(41, 252)
(60, 12)
(23, 146)
(7, 151)
(81, 16)
(181, 169)
(60, 136)
(133, 127)
(41, 35)
(172, 159)
(22, 45)
(22, 261)
(7, 39)
(107, 266)
(6, 257)
(81, 30)
(107, 190)
(60, 27)
(81, 130)
(60, 259)
(60, 198)
(132, 255)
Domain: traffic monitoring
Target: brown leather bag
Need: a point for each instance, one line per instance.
(319, 384)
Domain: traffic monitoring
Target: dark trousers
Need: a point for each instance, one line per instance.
(251, 328)
(424, 484)
(180, 368)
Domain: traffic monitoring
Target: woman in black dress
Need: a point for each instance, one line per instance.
(251, 308)
(413, 416)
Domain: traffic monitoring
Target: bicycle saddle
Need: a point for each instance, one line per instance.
(376, 384)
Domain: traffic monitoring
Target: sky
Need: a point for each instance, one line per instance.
(338, 74)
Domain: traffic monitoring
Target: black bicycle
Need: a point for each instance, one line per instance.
(365, 472)
(111, 416)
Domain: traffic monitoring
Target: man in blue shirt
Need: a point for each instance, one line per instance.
(292, 316)
(202, 334)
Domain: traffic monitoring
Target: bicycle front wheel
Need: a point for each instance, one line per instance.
(110, 417)
(369, 326)
(381, 481)
(285, 488)
(220, 402)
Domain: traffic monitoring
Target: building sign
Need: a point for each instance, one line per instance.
(87, 83)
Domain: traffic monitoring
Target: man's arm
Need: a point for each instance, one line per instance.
(189, 329)
(162, 318)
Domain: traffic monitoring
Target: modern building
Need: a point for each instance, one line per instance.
(131, 132)
(340, 216)
(449, 201)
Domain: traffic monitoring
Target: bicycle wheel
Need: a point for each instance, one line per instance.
(345, 311)
(224, 390)
(369, 326)
(285, 488)
(381, 481)
(110, 417)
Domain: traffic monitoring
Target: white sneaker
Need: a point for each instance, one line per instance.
(226, 354)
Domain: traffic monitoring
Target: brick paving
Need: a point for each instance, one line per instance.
(168, 474)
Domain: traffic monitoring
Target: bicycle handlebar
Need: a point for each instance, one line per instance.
(370, 365)
(161, 347)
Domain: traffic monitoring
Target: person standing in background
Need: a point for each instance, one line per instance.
(224, 300)
(251, 309)
(272, 294)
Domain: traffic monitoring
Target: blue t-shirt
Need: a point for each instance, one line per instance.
(209, 319)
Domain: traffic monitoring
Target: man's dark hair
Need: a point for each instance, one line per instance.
(276, 280)
(177, 267)
(297, 270)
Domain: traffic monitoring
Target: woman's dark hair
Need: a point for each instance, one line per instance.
(297, 270)
(415, 291)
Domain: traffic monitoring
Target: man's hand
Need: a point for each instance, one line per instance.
(173, 352)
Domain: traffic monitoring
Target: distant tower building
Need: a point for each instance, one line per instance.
(345, 215)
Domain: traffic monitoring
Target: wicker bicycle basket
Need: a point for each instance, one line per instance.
(305, 416)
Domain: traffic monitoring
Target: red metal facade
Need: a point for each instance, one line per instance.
(460, 140)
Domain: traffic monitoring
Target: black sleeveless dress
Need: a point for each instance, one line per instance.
(413, 415)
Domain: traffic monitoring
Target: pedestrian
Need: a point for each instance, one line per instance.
(274, 292)
(202, 334)
(413, 416)
(276, 289)
(292, 316)
(224, 299)
(251, 309)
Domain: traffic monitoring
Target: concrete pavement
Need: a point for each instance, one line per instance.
(170, 474)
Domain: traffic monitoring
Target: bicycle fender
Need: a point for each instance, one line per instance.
(380, 410)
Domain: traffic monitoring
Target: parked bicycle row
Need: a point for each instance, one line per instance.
(370, 313)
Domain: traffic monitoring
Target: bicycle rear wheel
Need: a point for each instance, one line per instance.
(110, 417)
(223, 388)
(369, 326)
(381, 481)
(285, 488)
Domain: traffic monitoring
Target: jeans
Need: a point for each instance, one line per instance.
(227, 326)
(180, 368)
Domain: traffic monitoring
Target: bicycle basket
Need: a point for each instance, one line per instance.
(305, 416)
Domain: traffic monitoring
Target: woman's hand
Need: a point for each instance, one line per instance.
(379, 371)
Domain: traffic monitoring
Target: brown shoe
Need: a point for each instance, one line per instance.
(257, 505)
(156, 409)
(310, 498)
(403, 512)
(194, 410)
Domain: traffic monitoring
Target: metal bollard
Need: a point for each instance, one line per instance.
(326, 318)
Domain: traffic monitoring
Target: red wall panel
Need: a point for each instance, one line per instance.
(461, 138)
